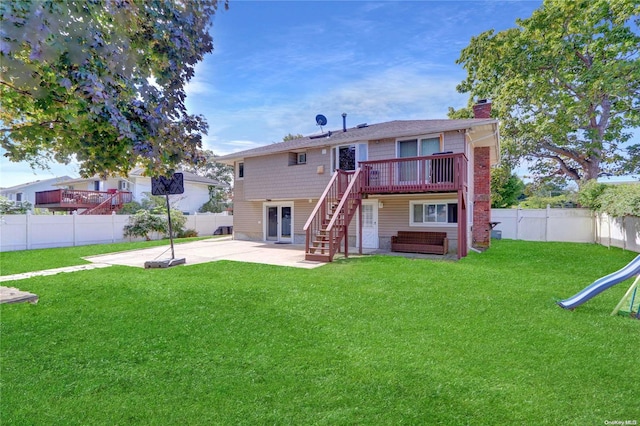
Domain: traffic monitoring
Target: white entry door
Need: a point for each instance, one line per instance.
(370, 224)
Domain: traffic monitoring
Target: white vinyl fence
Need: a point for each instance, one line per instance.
(618, 232)
(26, 232)
(569, 225)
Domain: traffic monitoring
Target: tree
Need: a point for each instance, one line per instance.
(565, 84)
(10, 207)
(218, 196)
(152, 217)
(291, 137)
(506, 187)
(101, 82)
(615, 200)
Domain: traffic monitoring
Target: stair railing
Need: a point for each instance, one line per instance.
(112, 203)
(320, 213)
(329, 221)
(338, 226)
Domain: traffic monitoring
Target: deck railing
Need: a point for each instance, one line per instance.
(74, 198)
(113, 203)
(441, 172)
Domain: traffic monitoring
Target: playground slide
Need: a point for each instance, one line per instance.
(600, 285)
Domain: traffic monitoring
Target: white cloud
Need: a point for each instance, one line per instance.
(396, 93)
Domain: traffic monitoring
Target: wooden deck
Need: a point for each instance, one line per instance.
(434, 173)
(72, 199)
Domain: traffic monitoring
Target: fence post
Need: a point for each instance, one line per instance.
(609, 222)
(73, 223)
(113, 226)
(518, 222)
(27, 230)
(546, 223)
(624, 233)
(195, 222)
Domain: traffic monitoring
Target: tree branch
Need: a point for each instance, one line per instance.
(49, 123)
(22, 92)
(569, 171)
(586, 59)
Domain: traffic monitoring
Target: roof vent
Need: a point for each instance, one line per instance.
(362, 126)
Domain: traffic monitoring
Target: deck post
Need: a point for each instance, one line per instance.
(346, 241)
(360, 227)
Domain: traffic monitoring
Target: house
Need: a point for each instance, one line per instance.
(26, 192)
(102, 196)
(360, 186)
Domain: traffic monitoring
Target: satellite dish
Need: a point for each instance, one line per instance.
(321, 120)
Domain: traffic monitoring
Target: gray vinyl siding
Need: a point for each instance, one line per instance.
(454, 141)
(384, 149)
(271, 176)
(247, 220)
(394, 217)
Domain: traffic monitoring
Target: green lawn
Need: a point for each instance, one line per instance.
(372, 340)
(17, 262)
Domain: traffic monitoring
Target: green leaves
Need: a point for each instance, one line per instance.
(615, 200)
(102, 82)
(565, 84)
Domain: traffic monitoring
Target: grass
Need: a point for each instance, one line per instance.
(17, 262)
(372, 340)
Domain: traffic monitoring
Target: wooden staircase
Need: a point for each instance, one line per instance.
(111, 204)
(328, 224)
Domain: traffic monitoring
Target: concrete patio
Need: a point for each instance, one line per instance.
(212, 250)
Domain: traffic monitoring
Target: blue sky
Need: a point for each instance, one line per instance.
(277, 64)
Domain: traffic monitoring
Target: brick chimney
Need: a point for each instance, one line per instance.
(482, 109)
(481, 234)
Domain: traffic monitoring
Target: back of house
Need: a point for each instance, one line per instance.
(414, 175)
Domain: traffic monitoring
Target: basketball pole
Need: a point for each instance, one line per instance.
(170, 227)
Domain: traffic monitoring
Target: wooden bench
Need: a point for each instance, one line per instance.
(420, 242)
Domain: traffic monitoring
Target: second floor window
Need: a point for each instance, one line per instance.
(419, 147)
(241, 170)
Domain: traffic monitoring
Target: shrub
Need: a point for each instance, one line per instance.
(130, 208)
(143, 223)
(9, 207)
(188, 233)
(615, 200)
(589, 195)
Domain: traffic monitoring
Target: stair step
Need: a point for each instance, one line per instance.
(317, 257)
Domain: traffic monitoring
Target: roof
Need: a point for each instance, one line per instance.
(187, 176)
(390, 129)
(38, 182)
(139, 172)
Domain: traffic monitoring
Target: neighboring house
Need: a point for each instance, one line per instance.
(27, 191)
(414, 175)
(98, 196)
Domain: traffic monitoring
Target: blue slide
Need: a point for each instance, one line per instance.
(600, 285)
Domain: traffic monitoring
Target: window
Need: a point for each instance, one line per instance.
(409, 170)
(96, 185)
(296, 158)
(241, 170)
(123, 185)
(421, 146)
(19, 197)
(348, 157)
(433, 213)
